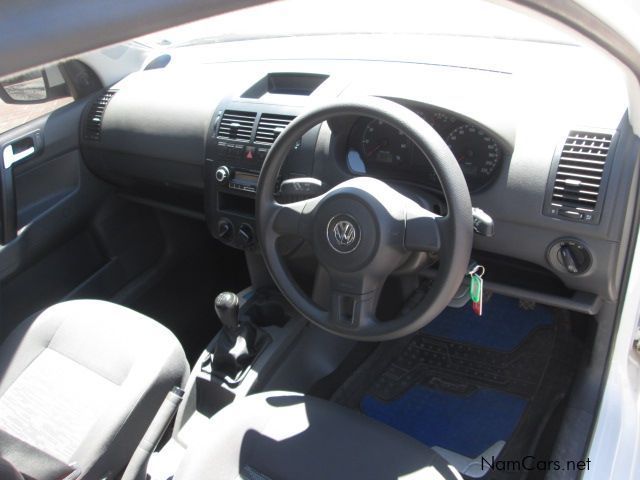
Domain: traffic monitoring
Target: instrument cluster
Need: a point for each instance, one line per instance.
(377, 149)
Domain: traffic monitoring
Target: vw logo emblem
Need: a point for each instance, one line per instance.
(343, 234)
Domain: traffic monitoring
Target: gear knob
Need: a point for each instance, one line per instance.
(227, 305)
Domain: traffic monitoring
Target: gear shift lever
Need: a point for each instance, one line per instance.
(237, 343)
(227, 306)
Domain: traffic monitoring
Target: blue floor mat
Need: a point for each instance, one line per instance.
(503, 325)
(463, 382)
(463, 424)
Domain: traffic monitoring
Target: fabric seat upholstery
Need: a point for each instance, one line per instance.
(81, 382)
(288, 436)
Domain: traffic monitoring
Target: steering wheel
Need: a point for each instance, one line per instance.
(362, 229)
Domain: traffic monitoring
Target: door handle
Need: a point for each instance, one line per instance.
(16, 150)
(21, 149)
(10, 157)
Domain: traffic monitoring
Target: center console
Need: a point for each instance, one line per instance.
(240, 136)
(258, 327)
(264, 345)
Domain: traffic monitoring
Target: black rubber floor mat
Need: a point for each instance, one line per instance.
(539, 371)
(461, 368)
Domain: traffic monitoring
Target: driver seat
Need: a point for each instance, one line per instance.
(289, 436)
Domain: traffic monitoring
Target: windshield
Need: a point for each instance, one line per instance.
(339, 17)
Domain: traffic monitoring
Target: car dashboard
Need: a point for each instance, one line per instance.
(543, 143)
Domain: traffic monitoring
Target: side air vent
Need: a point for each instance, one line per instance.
(236, 125)
(93, 123)
(579, 183)
(270, 126)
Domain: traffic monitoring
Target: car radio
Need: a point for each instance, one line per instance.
(245, 181)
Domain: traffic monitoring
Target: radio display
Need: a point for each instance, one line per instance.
(245, 177)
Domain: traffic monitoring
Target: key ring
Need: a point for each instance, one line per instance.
(475, 271)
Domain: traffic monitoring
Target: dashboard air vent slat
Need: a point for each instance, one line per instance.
(578, 184)
(93, 122)
(270, 126)
(236, 125)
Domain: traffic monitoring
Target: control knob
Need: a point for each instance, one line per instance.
(570, 255)
(222, 174)
(225, 230)
(246, 236)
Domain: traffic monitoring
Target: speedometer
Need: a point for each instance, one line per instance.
(385, 145)
(477, 152)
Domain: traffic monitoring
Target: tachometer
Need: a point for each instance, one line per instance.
(384, 144)
(477, 152)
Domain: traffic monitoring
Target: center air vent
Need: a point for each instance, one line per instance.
(270, 126)
(236, 125)
(93, 122)
(579, 182)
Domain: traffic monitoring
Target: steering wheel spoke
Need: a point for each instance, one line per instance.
(293, 218)
(353, 301)
(423, 230)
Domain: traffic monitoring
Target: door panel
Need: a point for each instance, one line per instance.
(43, 186)
(48, 200)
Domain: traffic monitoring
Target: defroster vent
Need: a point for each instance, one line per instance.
(579, 182)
